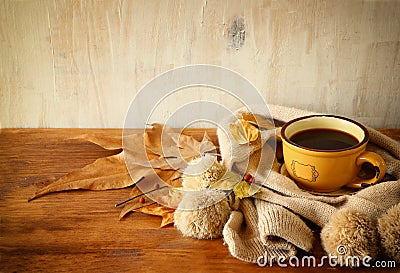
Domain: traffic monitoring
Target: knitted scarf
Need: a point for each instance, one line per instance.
(275, 221)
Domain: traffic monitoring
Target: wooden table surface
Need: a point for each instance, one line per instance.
(79, 231)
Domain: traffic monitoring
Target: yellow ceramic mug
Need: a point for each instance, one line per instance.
(324, 152)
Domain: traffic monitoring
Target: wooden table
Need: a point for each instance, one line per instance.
(80, 231)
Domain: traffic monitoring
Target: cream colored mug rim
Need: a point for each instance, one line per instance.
(360, 143)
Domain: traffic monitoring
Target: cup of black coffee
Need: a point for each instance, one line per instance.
(325, 152)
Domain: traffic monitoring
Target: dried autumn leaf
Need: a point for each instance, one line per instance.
(145, 157)
(169, 177)
(167, 214)
(105, 173)
(183, 146)
(159, 137)
(164, 163)
(191, 148)
(112, 142)
(227, 182)
(135, 150)
(139, 158)
(206, 145)
(134, 204)
(258, 120)
(141, 148)
(242, 190)
(168, 169)
(152, 135)
(238, 134)
(153, 154)
(167, 219)
(243, 132)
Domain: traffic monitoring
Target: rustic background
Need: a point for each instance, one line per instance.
(79, 63)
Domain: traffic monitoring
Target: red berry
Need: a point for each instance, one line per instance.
(156, 186)
(142, 200)
(252, 180)
(247, 177)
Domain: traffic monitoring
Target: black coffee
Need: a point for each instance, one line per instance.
(324, 139)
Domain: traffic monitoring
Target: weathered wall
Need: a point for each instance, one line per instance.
(79, 63)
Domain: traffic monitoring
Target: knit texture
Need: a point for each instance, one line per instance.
(350, 233)
(242, 236)
(273, 222)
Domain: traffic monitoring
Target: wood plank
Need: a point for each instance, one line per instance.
(79, 231)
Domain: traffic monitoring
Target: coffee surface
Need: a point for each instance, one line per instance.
(324, 139)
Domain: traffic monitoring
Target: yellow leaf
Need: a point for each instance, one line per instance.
(245, 189)
(242, 190)
(227, 182)
(243, 131)
(238, 134)
(258, 120)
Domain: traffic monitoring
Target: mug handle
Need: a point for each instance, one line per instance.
(379, 165)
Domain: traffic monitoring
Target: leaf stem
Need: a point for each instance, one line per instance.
(139, 195)
(140, 179)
